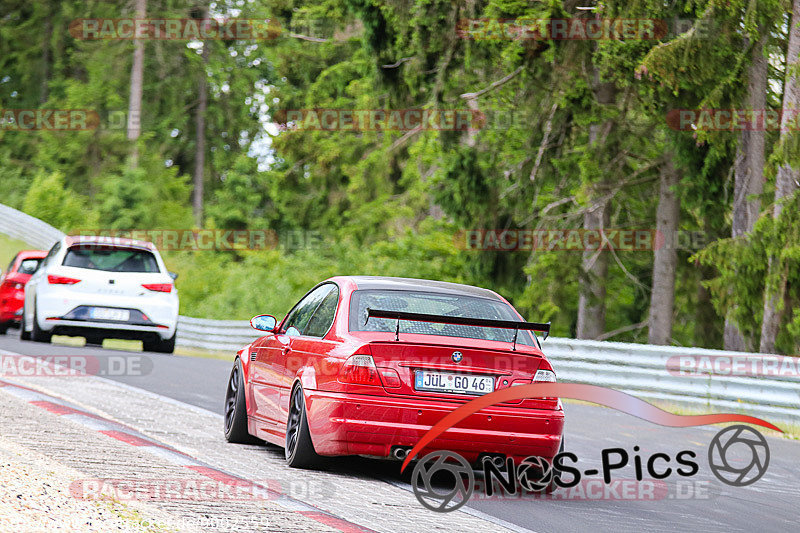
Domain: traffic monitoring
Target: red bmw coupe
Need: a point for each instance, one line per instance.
(366, 365)
(12, 286)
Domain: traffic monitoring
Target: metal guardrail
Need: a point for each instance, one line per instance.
(216, 335)
(638, 369)
(26, 228)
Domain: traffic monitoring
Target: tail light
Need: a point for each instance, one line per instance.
(158, 287)
(544, 376)
(9, 284)
(360, 369)
(61, 280)
(389, 377)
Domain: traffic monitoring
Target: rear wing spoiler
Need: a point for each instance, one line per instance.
(462, 321)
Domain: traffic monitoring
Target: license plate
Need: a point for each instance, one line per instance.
(105, 313)
(425, 380)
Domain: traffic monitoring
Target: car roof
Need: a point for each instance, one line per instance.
(411, 284)
(108, 241)
(32, 254)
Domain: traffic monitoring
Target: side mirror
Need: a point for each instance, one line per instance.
(173, 275)
(263, 322)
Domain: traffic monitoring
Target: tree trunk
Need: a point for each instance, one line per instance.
(200, 141)
(748, 175)
(48, 35)
(665, 257)
(592, 297)
(785, 184)
(594, 266)
(137, 78)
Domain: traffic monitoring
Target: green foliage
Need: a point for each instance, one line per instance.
(48, 199)
(392, 202)
(743, 274)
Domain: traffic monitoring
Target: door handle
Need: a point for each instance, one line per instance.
(286, 350)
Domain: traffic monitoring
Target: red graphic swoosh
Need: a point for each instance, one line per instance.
(578, 391)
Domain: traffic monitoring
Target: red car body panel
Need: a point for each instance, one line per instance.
(358, 419)
(12, 287)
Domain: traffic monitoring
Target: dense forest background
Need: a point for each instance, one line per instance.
(576, 135)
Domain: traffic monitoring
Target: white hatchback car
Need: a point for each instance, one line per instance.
(102, 287)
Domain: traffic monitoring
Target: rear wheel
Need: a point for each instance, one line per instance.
(159, 345)
(299, 448)
(235, 408)
(556, 473)
(24, 335)
(94, 340)
(39, 335)
(3, 328)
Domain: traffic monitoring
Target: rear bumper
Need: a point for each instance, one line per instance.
(120, 330)
(354, 424)
(11, 306)
(54, 305)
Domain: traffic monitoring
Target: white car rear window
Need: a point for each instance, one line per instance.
(111, 259)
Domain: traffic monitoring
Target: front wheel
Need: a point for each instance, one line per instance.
(235, 408)
(299, 448)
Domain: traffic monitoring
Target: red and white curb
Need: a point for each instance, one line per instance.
(132, 437)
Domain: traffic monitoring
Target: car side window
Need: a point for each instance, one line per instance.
(321, 322)
(302, 312)
(11, 264)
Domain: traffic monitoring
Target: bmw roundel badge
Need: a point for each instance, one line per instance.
(457, 357)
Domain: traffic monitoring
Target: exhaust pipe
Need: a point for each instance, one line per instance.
(497, 459)
(400, 453)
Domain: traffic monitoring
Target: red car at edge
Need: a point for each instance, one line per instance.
(12, 286)
(366, 365)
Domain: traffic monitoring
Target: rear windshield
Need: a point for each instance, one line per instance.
(111, 259)
(434, 304)
(28, 266)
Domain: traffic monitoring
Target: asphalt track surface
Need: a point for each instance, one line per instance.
(697, 503)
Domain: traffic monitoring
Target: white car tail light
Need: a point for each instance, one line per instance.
(158, 287)
(61, 280)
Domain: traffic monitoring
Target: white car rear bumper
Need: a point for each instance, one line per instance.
(160, 309)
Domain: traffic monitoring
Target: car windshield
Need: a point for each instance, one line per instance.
(111, 259)
(453, 305)
(29, 266)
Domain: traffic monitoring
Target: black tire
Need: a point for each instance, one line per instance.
(556, 473)
(161, 346)
(23, 335)
(94, 340)
(299, 450)
(235, 409)
(3, 328)
(37, 335)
